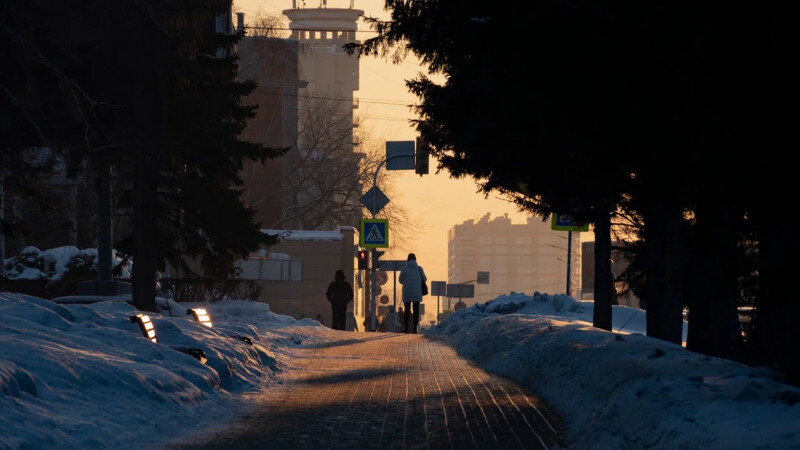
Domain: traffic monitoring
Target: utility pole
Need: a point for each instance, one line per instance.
(569, 260)
(374, 252)
(104, 236)
(2, 231)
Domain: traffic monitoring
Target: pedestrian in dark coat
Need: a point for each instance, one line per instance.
(412, 277)
(339, 294)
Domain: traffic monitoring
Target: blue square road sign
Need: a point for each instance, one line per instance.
(374, 233)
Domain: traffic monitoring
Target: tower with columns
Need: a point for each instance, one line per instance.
(331, 74)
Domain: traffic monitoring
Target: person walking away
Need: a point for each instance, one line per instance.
(412, 277)
(339, 294)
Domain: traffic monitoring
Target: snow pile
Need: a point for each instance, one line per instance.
(83, 375)
(54, 263)
(305, 235)
(624, 391)
(624, 319)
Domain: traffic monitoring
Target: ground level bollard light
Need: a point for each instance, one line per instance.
(146, 325)
(200, 315)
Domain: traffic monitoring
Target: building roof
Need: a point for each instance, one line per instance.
(309, 235)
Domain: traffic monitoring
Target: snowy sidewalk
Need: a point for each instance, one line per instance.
(389, 391)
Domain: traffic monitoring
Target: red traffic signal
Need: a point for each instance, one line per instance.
(362, 260)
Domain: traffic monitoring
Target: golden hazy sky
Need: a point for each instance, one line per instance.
(436, 201)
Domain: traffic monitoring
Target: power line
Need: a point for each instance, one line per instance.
(358, 99)
(368, 116)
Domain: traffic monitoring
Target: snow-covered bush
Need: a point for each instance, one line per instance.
(56, 271)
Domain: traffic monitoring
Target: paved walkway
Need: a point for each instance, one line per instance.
(389, 390)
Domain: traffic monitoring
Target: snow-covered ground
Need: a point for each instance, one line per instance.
(80, 376)
(620, 390)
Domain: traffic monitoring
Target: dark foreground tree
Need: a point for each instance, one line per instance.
(542, 136)
(183, 151)
(675, 107)
(148, 88)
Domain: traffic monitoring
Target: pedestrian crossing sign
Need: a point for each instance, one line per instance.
(374, 233)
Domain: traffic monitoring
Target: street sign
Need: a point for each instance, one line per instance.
(392, 265)
(483, 277)
(374, 200)
(384, 300)
(374, 233)
(438, 288)
(461, 290)
(400, 155)
(381, 277)
(564, 222)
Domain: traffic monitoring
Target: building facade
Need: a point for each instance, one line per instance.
(519, 257)
(305, 99)
(273, 64)
(295, 272)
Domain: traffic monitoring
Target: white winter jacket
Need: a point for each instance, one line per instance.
(411, 277)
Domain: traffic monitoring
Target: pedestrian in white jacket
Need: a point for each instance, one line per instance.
(412, 277)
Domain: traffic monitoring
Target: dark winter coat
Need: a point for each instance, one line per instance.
(339, 294)
(411, 277)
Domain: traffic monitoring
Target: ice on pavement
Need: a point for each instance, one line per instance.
(616, 390)
(78, 376)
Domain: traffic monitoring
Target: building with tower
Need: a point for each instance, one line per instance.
(305, 98)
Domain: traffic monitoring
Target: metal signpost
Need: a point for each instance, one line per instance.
(459, 291)
(394, 266)
(438, 288)
(563, 222)
(374, 233)
(400, 155)
(374, 200)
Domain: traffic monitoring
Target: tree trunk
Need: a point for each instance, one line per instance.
(664, 271)
(144, 239)
(776, 332)
(603, 278)
(712, 285)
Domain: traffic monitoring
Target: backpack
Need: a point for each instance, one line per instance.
(424, 285)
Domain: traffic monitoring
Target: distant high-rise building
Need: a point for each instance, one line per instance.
(520, 257)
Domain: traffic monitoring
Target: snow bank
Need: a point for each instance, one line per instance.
(624, 320)
(84, 376)
(305, 235)
(624, 391)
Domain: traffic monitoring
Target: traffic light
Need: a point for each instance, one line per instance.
(421, 157)
(377, 256)
(363, 260)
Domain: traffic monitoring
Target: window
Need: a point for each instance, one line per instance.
(271, 270)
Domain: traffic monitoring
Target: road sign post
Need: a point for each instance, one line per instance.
(381, 277)
(374, 200)
(374, 233)
(438, 288)
(399, 156)
(564, 222)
